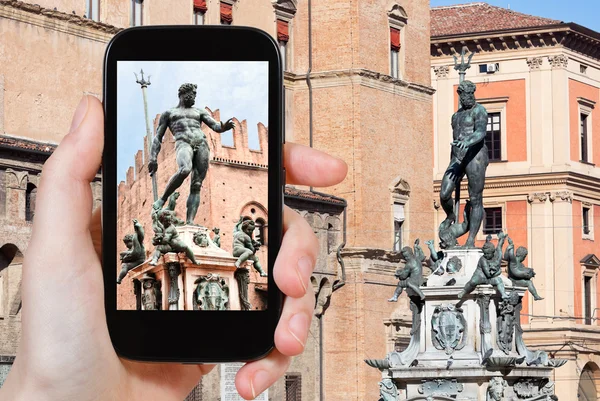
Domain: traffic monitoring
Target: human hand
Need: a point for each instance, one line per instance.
(501, 235)
(152, 166)
(429, 243)
(461, 144)
(66, 352)
(229, 124)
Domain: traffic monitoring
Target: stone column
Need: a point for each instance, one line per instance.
(560, 109)
(540, 114)
(541, 255)
(562, 234)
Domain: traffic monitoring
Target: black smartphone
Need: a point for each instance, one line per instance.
(193, 182)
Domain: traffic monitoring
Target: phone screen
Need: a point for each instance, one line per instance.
(192, 196)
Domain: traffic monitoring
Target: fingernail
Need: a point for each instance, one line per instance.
(80, 113)
(297, 326)
(259, 383)
(304, 270)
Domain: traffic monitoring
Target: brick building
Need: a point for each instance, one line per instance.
(357, 85)
(540, 82)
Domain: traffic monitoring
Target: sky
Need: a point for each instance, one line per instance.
(238, 89)
(582, 12)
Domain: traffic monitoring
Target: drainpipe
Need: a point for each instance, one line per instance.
(308, 82)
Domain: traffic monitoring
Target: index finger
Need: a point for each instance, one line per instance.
(308, 166)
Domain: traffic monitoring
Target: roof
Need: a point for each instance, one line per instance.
(26, 144)
(481, 17)
(313, 196)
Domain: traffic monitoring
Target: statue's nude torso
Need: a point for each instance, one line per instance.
(463, 124)
(185, 125)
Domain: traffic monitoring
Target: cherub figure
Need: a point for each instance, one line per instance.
(488, 269)
(217, 237)
(517, 273)
(135, 253)
(449, 231)
(171, 206)
(244, 246)
(167, 238)
(435, 259)
(411, 275)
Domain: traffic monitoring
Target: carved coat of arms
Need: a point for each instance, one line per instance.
(211, 293)
(448, 328)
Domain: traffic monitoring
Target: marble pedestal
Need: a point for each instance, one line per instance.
(212, 261)
(460, 348)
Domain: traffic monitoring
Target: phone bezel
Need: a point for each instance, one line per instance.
(192, 336)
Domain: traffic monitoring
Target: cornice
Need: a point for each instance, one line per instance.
(361, 76)
(249, 165)
(575, 182)
(571, 36)
(62, 22)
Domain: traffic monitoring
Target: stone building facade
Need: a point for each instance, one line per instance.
(356, 85)
(539, 80)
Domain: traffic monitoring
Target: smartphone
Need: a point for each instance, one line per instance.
(193, 183)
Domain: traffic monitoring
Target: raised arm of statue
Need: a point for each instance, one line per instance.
(509, 254)
(214, 124)
(434, 255)
(501, 238)
(419, 252)
(163, 124)
(139, 230)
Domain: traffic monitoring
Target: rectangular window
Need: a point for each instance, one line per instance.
(394, 63)
(198, 17)
(492, 223)
(586, 220)
(493, 137)
(137, 9)
(293, 387)
(584, 138)
(92, 9)
(587, 281)
(398, 223)
(283, 37)
(394, 52)
(583, 68)
(226, 14)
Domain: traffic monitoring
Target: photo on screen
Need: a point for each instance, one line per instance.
(192, 167)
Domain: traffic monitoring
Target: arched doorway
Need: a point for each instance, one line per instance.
(587, 389)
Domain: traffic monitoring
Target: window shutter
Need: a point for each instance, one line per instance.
(200, 5)
(283, 33)
(395, 39)
(226, 13)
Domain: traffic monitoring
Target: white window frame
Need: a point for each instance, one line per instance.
(92, 9)
(590, 207)
(399, 216)
(137, 5)
(586, 107)
(592, 273)
(498, 105)
(394, 64)
(199, 17)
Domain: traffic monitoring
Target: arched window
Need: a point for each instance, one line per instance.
(30, 197)
(259, 231)
(590, 375)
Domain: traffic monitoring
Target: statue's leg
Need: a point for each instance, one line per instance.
(497, 281)
(448, 185)
(124, 270)
(476, 176)
(199, 170)
(469, 287)
(155, 257)
(533, 291)
(397, 293)
(180, 246)
(416, 289)
(184, 161)
(258, 266)
(243, 257)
